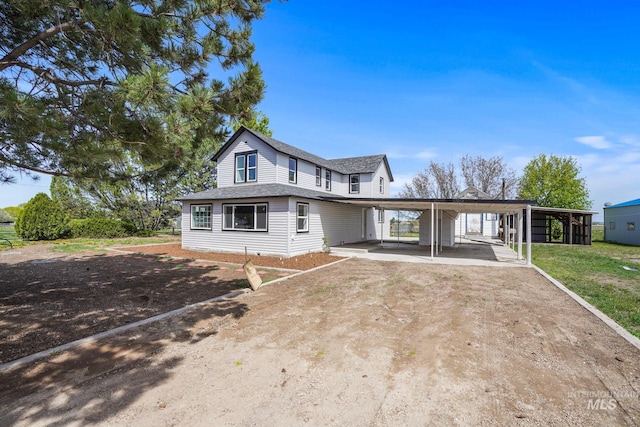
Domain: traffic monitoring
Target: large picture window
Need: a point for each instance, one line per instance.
(201, 217)
(302, 218)
(354, 183)
(245, 217)
(246, 167)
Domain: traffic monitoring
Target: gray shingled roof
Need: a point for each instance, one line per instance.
(346, 166)
(247, 191)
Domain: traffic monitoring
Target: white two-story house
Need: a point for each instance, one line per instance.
(275, 199)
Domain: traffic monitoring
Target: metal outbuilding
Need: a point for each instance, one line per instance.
(621, 222)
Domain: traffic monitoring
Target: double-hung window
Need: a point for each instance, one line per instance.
(293, 170)
(327, 180)
(318, 176)
(251, 217)
(302, 223)
(246, 167)
(201, 217)
(381, 185)
(354, 183)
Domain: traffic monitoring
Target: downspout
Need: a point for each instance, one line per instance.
(288, 227)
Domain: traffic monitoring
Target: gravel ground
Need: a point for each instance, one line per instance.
(359, 343)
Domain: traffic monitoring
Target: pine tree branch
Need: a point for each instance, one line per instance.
(46, 74)
(5, 160)
(16, 53)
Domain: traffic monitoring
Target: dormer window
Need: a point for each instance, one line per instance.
(318, 176)
(246, 167)
(354, 183)
(327, 180)
(293, 170)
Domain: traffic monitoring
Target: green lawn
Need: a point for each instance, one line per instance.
(75, 245)
(597, 273)
(98, 245)
(8, 233)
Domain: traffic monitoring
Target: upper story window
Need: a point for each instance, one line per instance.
(381, 185)
(246, 167)
(354, 183)
(293, 169)
(318, 176)
(327, 180)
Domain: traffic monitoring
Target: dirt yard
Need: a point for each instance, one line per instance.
(357, 343)
(48, 299)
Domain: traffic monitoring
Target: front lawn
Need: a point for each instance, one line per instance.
(606, 275)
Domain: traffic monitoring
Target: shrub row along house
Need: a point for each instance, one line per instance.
(275, 199)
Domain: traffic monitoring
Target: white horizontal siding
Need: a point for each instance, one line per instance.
(381, 172)
(271, 242)
(378, 230)
(266, 170)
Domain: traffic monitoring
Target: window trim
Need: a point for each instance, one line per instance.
(298, 218)
(351, 191)
(295, 170)
(327, 179)
(255, 217)
(318, 176)
(246, 167)
(192, 216)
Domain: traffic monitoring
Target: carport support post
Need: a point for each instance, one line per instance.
(431, 233)
(519, 235)
(528, 234)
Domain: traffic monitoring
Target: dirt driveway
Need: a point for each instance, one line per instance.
(360, 343)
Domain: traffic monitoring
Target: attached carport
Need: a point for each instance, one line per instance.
(437, 208)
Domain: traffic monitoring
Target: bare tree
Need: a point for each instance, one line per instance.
(437, 181)
(492, 176)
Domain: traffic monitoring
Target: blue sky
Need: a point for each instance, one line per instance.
(423, 81)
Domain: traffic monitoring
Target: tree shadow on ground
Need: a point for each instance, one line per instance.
(46, 303)
(86, 385)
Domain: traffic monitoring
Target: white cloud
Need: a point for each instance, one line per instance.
(598, 142)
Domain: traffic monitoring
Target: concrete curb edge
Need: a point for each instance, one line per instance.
(632, 339)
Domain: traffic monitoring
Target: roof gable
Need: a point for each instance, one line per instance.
(472, 193)
(350, 165)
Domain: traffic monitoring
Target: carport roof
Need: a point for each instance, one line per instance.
(458, 205)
